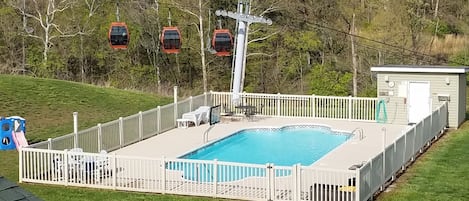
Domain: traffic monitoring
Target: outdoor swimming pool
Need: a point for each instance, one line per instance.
(285, 146)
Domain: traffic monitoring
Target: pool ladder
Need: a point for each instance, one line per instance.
(205, 140)
(358, 132)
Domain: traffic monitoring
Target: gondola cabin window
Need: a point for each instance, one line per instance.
(119, 35)
(171, 40)
(222, 42)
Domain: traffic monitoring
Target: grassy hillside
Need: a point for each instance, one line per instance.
(47, 105)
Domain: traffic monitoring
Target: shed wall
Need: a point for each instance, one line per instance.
(396, 96)
(462, 99)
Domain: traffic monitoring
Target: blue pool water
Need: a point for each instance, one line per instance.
(284, 146)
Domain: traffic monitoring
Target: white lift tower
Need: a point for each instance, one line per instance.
(244, 19)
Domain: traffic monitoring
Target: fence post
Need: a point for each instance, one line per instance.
(413, 144)
(404, 153)
(439, 123)
(140, 125)
(314, 105)
(205, 98)
(296, 181)
(384, 158)
(270, 181)
(357, 184)
(215, 177)
(158, 120)
(114, 171)
(100, 138)
(421, 136)
(121, 131)
(350, 99)
(66, 167)
(432, 133)
(278, 104)
(49, 143)
(163, 175)
(20, 164)
(175, 100)
(191, 104)
(212, 101)
(75, 129)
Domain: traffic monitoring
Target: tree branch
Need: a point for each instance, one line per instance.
(260, 54)
(263, 38)
(184, 9)
(91, 7)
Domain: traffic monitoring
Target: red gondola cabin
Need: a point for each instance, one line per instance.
(222, 42)
(118, 35)
(171, 40)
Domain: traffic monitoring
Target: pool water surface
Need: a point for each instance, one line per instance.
(284, 146)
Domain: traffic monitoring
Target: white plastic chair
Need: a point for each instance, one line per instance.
(198, 116)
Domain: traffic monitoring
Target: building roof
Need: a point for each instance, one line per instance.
(420, 69)
(10, 191)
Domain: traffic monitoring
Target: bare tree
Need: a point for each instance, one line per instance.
(149, 18)
(91, 7)
(354, 55)
(200, 30)
(44, 14)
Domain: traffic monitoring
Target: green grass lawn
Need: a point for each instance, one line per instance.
(441, 173)
(48, 105)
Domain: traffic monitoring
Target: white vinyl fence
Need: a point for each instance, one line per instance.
(186, 177)
(324, 107)
(56, 161)
(383, 168)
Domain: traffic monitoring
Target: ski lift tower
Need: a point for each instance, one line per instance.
(244, 19)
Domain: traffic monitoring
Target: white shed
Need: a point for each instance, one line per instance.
(412, 92)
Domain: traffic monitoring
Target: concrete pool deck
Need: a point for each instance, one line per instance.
(178, 141)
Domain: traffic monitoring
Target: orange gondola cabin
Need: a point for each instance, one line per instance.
(171, 40)
(222, 42)
(118, 35)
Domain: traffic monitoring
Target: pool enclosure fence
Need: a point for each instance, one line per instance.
(54, 161)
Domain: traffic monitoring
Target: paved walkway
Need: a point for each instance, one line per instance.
(177, 142)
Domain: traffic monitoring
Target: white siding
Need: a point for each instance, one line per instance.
(397, 101)
(462, 99)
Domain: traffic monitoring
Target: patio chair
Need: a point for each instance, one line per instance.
(227, 111)
(57, 171)
(97, 167)
(252, 113)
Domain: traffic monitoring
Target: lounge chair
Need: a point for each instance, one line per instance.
(198, 116)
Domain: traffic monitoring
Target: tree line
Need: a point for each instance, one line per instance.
(318, 47)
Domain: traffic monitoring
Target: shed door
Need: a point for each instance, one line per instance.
(419, 101)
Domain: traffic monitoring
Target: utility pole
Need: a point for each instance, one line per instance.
(244, 19)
